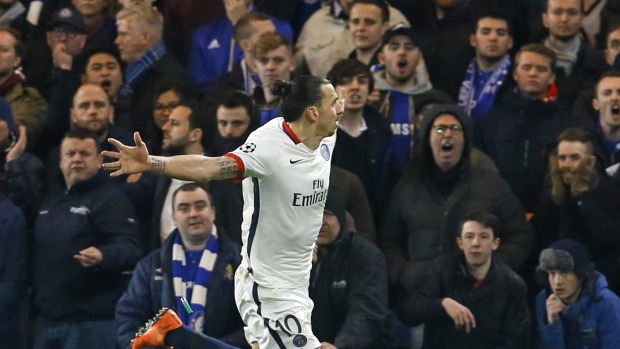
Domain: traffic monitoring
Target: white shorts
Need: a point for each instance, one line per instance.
(274, 318)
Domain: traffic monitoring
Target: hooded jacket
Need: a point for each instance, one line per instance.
(427, 205)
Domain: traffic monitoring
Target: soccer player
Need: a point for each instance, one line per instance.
(286, 165)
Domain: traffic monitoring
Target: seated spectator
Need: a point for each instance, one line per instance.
(520, 131)
(243, 75)
(581, 205)
(369, 19)
(202, 259)
(168, 95)
(183, 135)
(14, 271)
(213, 50)
(579, 65)
(488, 75)
(236, 119)
(576, 309)
(364, 135)
(140, 45)
(85, 237)
(472, 300)
(348, 284)
(437, 191)
(404, 76)
(324, 40)
(21, 173)
(27, 104)
(100, 26)
(274, 60)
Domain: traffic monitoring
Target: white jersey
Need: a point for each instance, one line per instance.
(284, 193)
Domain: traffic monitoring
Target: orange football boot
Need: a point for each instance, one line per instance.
(155, 330)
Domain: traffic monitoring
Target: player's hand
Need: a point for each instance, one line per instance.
(89, 257)
(557, 186)
(130, 159)
(555, 306)
(61, 58)
(460, 314)
(19, 147)
(236, 9)
(584, 177)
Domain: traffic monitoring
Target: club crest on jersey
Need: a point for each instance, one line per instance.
(248, 147)
(325, 152)
(299, 341)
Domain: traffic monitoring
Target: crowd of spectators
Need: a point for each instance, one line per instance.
(478, 151)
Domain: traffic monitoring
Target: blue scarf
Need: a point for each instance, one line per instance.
(478, 90)
(192, 281)
(136, 69)
(401, 120)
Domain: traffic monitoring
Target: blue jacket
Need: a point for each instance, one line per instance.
(593, 322)
(151, 288)
(13, 264)
(209, 57)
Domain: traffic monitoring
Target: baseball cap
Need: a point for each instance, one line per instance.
(67, 16)
(400, 29)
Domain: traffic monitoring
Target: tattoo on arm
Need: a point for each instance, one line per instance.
(158, 166)
(227, 167)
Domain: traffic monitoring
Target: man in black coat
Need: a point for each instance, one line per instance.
(472, 300)
(348, 284)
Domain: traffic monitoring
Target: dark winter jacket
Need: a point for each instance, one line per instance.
(151, 288)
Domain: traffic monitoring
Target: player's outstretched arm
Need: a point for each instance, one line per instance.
(197, 168)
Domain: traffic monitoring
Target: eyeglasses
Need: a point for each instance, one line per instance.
(59, 32)
(163, 107)
(441, 129)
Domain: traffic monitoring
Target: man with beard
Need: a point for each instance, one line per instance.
(235, 119)
(183, 135)
(579, 65)
(581, 205)
(488, 74)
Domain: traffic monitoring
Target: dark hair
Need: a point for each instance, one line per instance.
(19, 45)
(197, 116)
(612, 28)
(234, 99)
(85, 58)
(545, 4)
(495, 14)
(382, 4)
(483, 218)
(181, 88)
(83, 134)
(296, 96)
(578, 134)
(538, 49)
(349, 68)
(243, 28)
(607, 74)
(192, 186)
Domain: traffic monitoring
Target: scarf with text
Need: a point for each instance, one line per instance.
(479, 89)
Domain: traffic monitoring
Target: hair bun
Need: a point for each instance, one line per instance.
(281, 88)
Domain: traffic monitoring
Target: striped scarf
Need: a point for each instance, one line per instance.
(193, 289)
(136, 69)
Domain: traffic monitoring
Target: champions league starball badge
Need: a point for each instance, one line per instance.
(325, 152)
(248, 147)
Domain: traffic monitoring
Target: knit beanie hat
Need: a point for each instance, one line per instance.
(565, 255)
(337, 205)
